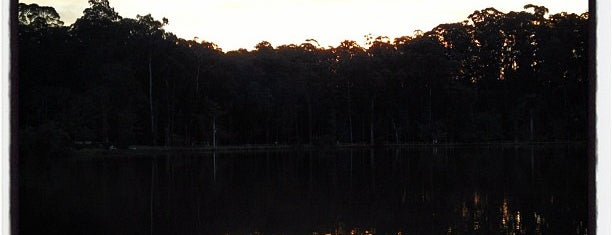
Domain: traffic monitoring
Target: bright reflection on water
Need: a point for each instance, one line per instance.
(528, 190)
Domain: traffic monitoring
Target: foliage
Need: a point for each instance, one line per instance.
(517, 76)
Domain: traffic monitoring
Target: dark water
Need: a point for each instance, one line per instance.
(531, 190)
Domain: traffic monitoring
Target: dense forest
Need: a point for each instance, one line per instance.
(495, 77)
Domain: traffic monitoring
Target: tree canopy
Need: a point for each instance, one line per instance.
(516, 76)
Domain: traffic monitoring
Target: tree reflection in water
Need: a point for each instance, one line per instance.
(495, 190)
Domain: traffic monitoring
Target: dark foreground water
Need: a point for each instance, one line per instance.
(527, 190)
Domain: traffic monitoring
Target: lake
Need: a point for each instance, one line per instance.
(424, 190)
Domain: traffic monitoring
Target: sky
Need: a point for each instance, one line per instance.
(234, 24)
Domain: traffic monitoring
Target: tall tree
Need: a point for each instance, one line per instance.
(38, 16)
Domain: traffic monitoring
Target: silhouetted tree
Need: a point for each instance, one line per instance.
(516, 76)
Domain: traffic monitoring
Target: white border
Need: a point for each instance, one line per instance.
(604, 105)
(5, 118)
(603, 108)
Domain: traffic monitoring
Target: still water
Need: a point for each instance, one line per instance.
(484, 190)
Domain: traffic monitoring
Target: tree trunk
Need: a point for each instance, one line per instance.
(295, 121)
(214, 140)
(431, 126)
(187, 141)
(396, 130)
(45, 109)
(167, 134)
(198, 78)
(169, 114)
(350, 114)
(531, 125)
(104, 122)
(153, 134)
(516, 127)
(372, 121)
(267, 134)
(309, 120)
(567, 113)
(334, 125)
(362, 137)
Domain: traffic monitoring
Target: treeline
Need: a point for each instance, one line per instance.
(517, 76)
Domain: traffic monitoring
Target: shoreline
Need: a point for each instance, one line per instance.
(307, 147)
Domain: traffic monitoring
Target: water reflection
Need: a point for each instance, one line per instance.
(359, 191)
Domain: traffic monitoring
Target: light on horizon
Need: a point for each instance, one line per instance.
(238, 24)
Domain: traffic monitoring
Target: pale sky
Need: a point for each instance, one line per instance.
(234, 24)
